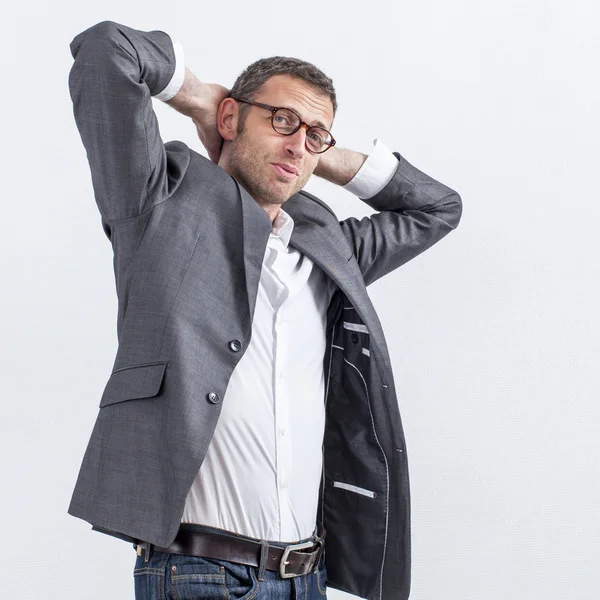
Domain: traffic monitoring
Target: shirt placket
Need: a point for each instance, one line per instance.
(282, 408)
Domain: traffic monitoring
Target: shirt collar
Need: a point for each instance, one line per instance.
(283, 227)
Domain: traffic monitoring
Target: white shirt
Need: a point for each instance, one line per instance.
(262, 472)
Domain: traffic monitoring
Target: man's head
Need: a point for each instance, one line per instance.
(252, 148)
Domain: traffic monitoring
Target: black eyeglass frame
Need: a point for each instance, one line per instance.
(274, 109)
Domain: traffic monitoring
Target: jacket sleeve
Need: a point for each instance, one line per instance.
(116, 72)
(415, 212)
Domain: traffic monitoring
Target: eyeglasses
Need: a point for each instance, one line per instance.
(286, 122)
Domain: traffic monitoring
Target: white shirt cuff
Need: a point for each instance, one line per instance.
(376, 172)
(177, 80)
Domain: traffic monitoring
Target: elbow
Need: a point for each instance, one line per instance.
(101, 30)
(456, 209)
(449, 209)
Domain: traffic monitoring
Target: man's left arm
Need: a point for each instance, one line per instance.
(414, 210)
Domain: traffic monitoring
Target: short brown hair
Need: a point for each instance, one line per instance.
(259, 72)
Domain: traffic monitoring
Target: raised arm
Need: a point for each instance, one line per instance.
(414, 210)
(116, 71)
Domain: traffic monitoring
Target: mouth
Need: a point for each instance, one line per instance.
(285, 170)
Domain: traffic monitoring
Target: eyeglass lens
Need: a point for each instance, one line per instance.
(287, 122)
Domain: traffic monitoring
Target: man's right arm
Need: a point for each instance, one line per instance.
(117, 70)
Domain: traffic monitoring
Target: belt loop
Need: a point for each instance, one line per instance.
(148, 550)
(264, 555)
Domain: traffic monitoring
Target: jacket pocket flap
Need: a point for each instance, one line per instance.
(135, 381)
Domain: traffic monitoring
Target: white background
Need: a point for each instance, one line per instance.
(493, 332)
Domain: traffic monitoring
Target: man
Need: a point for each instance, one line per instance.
(249, 432)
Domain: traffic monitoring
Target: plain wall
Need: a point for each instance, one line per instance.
(493, 332)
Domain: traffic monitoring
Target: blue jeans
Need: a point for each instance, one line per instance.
(167, 576)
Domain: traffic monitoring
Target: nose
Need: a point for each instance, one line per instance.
(295, 144)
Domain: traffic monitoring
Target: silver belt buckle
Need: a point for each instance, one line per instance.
(285, 555)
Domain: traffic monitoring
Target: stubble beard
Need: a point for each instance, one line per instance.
(248, 168)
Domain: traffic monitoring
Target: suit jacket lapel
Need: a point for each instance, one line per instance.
(256, 228)
(329, 249)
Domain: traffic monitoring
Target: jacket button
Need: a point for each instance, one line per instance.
(235, 345)
(355, 338)
(213, 397)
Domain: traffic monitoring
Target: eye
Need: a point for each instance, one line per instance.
(281, 119)
(285, 120)
(316, 136)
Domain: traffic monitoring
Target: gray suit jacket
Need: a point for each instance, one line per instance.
(188, 244)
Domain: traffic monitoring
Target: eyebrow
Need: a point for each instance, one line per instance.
(319, 123)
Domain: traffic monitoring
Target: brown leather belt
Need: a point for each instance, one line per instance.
(291, 561)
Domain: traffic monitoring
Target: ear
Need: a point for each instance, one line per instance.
(227, 118)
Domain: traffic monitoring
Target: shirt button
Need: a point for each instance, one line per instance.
(282, 431)
(284, 484)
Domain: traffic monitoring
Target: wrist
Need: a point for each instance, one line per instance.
(193, 97)
(339, 165)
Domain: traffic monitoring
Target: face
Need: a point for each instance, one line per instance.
(258, 149)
